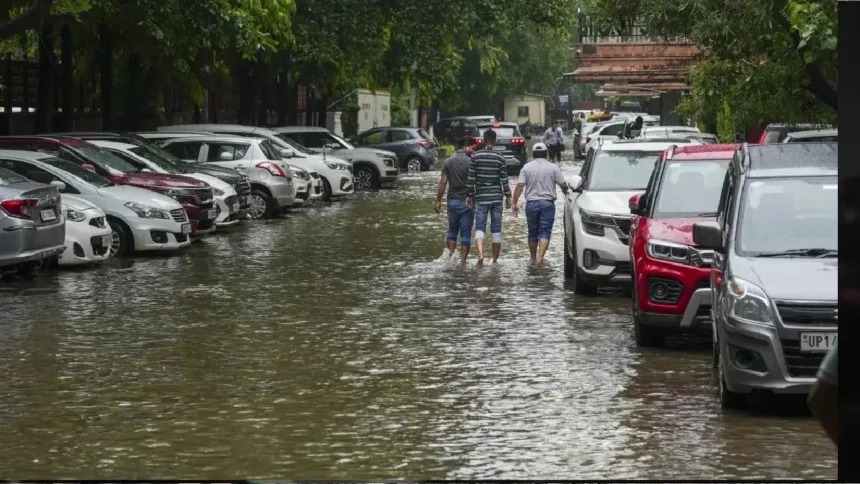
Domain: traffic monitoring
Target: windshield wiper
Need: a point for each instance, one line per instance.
(818, 252)
(707, 214)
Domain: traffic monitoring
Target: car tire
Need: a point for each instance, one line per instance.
(569, 263)
(366, 178)
(414, 165)
(122, 242)
(327, 191)
(262, 205)
(645, 336)
(729, 400)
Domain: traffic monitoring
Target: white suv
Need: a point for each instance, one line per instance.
(597, 211)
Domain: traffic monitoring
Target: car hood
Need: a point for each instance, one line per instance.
(77, 203)
(211, 181)
(610, 203)
(799, 279)
(126, 193)
(678, 230)
(225, 174)
(158, 180)
(365, 154)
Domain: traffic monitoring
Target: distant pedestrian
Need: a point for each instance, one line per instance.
(455, 174)
(823, 399)
(554, 141)
(488, 184)
(538, 179)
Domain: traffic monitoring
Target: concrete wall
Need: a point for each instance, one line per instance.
(536, 105)
(374, 109)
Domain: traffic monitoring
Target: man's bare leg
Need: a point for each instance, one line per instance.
(543, 245)
(452, 247)
(464, 252)
(480, 252)
(497, 250)
(533, 250)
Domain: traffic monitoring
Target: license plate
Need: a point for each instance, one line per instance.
(817, 342)
(48, 215)
(235, 207)
(212, 213)
(106, 240)
(500, 148)
(186, 228)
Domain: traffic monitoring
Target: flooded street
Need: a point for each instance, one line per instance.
(336, 343)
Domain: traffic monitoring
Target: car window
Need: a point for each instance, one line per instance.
(270, 151)
(374, 138)
(130, 160)
(158, 157)
(774, 136)
(226, 151)
(311, 140)
(424, 134)
(621, 170)
(185, 150)
(723, 204)
(783, 214)
(79, 172)
(104, 160)
(501, 131)
(397, 135)
(9, 177)
(690, 189)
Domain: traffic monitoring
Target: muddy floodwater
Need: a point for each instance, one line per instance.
(335, 343)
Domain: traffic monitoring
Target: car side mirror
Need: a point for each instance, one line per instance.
(637, 204)
(87, 166)
(708, 235)
(225, 156)
(285, 153)
(60, 185)
(575, 183)
(146, 170)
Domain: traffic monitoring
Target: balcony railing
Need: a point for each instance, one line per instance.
(589, 33)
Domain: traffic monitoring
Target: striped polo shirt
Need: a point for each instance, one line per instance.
(488, 177)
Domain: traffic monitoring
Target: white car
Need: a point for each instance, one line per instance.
(226, 198)
(611, 130)
(88, 236)
(597, 212)
(139, 219)
(652, 132)
(336, 173)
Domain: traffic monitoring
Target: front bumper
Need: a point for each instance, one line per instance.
(229, 212)
(157, 234)
(611, 256)
(302, 192)
(25, 242)
(84, 243)
(687, 306)
(202, 218)
(696, 316)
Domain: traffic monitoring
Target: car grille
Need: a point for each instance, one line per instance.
(623, 223)
(96, 244)
(622, 268)
(181, 237)
(231, 200)
(203, 194)
(179, 215)
(801, 365)
(98, 222)
(808, 315)
(243, 188)
(315, 175)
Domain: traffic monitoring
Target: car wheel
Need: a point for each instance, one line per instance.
(569, 263)
(729, 400)
(366, 179)
(261, 204)
(645, 336)
(122, 242)
(327, 192)
(414, 165)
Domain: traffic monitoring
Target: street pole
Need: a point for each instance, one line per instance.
(413, 109)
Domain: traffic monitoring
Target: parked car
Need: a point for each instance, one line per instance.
(774, 282)
(776, 132)
(155, 136)
(587, 129)
(814, 136)
(451, 130)
(613, 130)
(336, 174)
(510, 143)
(227, 205)
(415, 149)
(705, 138)
(597, 212)
(195, 196)
(148, 149)
(371, 167)
(271, 177)
(651, 132)
(671, 276)
(88, 235)
(303, 184)
(139, 219)
(32, 227)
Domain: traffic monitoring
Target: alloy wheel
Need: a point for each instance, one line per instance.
(413, 166)
(363, 179)
(115, 242)
(258, 207)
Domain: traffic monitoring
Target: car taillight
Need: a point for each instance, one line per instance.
(424, 144)
(272, 168)
(519, 141)
(479, 141)
(19, 208)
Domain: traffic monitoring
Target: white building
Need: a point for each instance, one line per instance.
(374, 109)
(525, 107)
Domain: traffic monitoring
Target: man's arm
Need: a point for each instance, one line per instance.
(503, 177)
(471, 179)
(545, 136)
(560, 181)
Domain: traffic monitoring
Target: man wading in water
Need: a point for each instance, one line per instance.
(488, 183)
(538, 179)
(455, 173)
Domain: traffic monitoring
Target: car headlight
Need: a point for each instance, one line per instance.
(145, 211)
(381, 155)
(680, 253)
(748, 302)
(593, 223)
(74, 215)
(388, 162)
(217, 192)
(335, 166)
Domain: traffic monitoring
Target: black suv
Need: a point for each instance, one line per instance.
(452, 130)
(510, 143)
(774, 277)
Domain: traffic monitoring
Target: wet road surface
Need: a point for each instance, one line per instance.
(337, 344)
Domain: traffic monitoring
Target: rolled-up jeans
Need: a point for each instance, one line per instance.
(540, 215)
(460, 218)
(495, 212)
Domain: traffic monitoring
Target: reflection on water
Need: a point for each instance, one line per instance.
(336, 343)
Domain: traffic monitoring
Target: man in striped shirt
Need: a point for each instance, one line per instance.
(486, 186)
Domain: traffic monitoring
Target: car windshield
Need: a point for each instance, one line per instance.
(782, 215)
(106, 160)
(501, 131)
(78, 172)
(293, 145)
(155, 158)
(8, 177)
(690, 189)
(615, 171)
(340, 140)
(488, 119)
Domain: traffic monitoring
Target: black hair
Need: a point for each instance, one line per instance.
(466, 141)
(489, 136)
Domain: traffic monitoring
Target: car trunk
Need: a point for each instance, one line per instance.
(45, 209)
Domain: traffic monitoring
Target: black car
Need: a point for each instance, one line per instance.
(509, 142)
(451, 130)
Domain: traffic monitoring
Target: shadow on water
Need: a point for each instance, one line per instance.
(336, 342)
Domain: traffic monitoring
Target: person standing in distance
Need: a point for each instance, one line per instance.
(554, 141)
(538, 180)
(487, 185)
(455, 173)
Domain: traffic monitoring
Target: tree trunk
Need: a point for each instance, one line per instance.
(45, 108)
(106, 76)
(66, 70)
(134, 90)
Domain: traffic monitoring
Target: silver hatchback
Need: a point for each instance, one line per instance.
(32, 228)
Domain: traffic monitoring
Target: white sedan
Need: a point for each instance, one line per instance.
(88, 235)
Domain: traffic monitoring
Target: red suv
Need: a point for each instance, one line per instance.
(671, 277)
(194, 195)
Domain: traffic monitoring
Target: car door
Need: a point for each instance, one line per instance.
(724, 218)
(399, 141)
(573, 197)
(370, 139)
(228, 154)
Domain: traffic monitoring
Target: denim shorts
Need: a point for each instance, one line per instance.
(460, 219)
(540, 215)
(494, 210)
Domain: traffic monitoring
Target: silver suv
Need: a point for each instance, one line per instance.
(271, 178)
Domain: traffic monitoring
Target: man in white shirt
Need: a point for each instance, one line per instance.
(538, 179)
(554, 141)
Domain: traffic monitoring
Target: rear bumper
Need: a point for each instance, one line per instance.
(25, 242)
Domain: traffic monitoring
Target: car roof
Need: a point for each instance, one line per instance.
(25, 155)
(299, 129)
(181, 131)
(814, 133)
(228, 139)
(214, 128)
(705, 152)
(797, 126)
(49, 140)
(113, 144)
(791, 159)
(642, 145)
(499, 124)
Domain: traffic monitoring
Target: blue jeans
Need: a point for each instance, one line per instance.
(460, 218)
(495, 212)
(540, 215)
